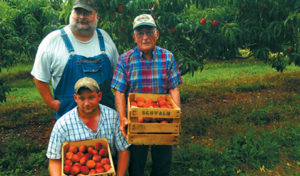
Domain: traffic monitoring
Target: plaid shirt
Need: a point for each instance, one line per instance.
(70, 128)
(133, 73)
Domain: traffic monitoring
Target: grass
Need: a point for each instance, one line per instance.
(22, 86)
(231, 112)
(213, 72)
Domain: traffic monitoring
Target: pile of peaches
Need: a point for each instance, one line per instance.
(160, 102)
(86, 160)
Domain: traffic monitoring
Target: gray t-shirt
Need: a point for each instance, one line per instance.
(52, 54)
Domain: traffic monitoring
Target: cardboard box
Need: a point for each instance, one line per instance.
(153, 133)
(92, 142)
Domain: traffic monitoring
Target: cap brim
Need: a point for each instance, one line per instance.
(82, 6)
(144, 24)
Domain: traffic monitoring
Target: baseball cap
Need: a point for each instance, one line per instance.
(88, 5)
(86, 82)
(143, 20)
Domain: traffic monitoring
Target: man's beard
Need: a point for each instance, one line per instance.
(83, 31)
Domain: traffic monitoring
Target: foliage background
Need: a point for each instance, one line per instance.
(238, 113)
(267, 30)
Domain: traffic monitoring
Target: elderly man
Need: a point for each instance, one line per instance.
(146, 68)
(77, 50)
(89, 120)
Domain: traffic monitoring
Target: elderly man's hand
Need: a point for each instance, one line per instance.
(124, 126)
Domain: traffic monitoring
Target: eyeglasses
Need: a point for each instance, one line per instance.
(83, 12)
(149, 33)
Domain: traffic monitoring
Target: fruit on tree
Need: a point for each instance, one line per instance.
(203, 21)
(214, 23)
(121, 9)
(172, 30)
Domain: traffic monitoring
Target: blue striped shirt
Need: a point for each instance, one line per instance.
(71, 128)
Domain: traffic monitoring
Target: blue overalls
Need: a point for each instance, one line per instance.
(97, 67)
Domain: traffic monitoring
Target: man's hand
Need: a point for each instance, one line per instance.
(55, 105)
(45, 92)
(124, 126)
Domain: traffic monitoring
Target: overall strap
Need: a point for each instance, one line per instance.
(66, 40)
(101, 41)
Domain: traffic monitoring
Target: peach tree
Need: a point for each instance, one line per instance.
(200, 30)
(22, 26)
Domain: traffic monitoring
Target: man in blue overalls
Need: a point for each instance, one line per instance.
(75, 51)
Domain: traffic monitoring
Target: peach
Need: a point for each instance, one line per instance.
(82, 148)
(140, 103)
(97, 158)
(85, 170)
(80, 154)
(140, 99)
(107, 167)
(77, 164)
(162, 102)
(103, 152)
(164, 107)
(92, 171)
(68, 162)
(149, 101)
(91, 164)
(88, 155)
(98, 164)
(83, 160)
(69, 155)
(94, 152)
(90, 149)
(100, 169)
(75, 170)
(73, 149)
(75, 158)
(67, 169)
(140, 120)
(133, 103)
(105, 161)
(98, 146)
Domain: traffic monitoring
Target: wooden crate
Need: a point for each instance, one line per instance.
(91, 142)
(153, 133)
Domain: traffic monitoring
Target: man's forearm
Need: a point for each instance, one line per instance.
(123, 162)
(175, 96)
(120, 104)
(55, 167)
